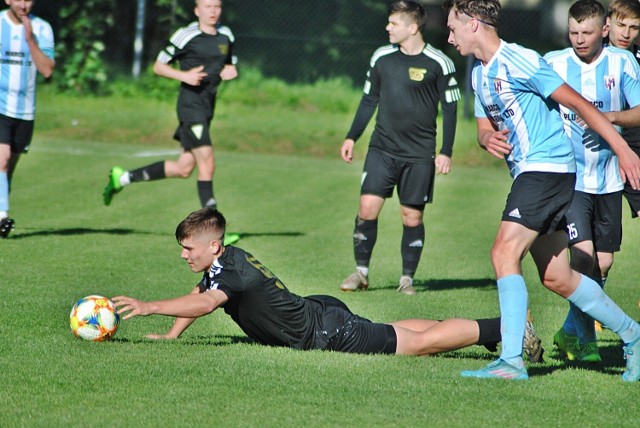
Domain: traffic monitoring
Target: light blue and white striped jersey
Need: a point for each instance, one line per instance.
(513, 91)
(17, 70)
(607, 82)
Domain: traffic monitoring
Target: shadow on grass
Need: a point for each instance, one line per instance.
(217, 340)
(610, 351)
(244, 235)
(613, 362)
(444, 284)
(76, 231)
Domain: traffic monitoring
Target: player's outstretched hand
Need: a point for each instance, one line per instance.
(346, 151)
(133, 306)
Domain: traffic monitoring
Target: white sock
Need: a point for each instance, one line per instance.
(125, 179)
(363, 270)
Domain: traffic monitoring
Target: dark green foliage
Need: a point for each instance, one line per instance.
(81, 68)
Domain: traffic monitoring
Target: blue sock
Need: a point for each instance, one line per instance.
(590, 298)
(4, 192)
(513, 295)
(569, 325)
(585, 326)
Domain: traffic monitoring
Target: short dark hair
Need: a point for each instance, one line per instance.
(587, 9)
(412, 9)
(486, 11)
(205, 220)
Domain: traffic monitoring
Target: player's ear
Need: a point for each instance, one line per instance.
(215, 246)
(474, 24)
(606, 28)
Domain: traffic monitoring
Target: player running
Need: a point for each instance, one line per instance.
(27, 48)
(204, 50)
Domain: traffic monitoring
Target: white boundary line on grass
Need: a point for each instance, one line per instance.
(85, 151)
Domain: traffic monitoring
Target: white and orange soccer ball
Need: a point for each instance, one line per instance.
(94, 318)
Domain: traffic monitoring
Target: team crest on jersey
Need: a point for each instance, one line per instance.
(417, 74)
(223, 49)
(609, 82)
(497, 85)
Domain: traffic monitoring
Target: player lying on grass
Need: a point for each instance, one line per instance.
(271, 315)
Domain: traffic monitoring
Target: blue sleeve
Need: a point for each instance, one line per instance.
(544, 81)
(631, 84)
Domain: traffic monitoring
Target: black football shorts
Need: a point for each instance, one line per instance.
(539, 200)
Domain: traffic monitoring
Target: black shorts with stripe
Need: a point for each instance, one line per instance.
(341, 330)
(596, 218)
(382, 173)
(16, 132)
(192, 135)
(539, 200)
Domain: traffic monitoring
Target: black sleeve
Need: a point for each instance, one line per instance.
(449, 122)
(231, 58)
(365, 112)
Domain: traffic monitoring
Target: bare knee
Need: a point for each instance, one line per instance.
(504, 260)
(184, 173)
(562, 284)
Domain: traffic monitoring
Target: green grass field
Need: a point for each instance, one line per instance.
(295, 214)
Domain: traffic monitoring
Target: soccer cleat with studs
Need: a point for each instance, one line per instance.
(532, 344)
(406, 286)
(632, 356)
(567, 344)
(499, 369)
(355, 281)
(6, 226)
(113, 186)
(589, 353)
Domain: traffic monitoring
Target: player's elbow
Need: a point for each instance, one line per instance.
(157, 68)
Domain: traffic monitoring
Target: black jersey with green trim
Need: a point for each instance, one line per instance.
(632, 135)
(191, 48)
(261, 304)
(407, 90)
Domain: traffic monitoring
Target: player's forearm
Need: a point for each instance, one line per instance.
(449, 122)
(165, 70)
(626, 118)
(189, 306)
(178, 327)
(43, 63)
(366, 109)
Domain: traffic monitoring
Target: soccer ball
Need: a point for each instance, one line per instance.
(94, 318)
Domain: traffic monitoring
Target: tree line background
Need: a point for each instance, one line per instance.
(294, 40)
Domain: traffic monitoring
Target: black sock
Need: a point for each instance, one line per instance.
(205, 192)
(154, 171)
(411, 248)
(489, 333)
(365, 235)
